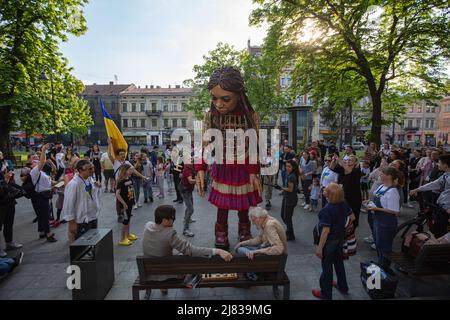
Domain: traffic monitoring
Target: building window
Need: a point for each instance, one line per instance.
(183, 123)
(125, 123)
(113, 106)
(154, 123)
(410, 123)
(418, 122)
(429, 124)
(175, 106)
(142, 107)
(134, 123)
(411, 109)
(166, 123)
(142, 123)
(419, 109)
(433, 109)
(165, 105)
(153, 106)
(174, 123)
(183, 106)
(125, 107)
(133, 107)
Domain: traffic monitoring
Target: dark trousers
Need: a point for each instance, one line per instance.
(176, 181)
(356, 209)
(324, 200)
(287, 211)
(85, 227)
(98, 171)
(332, 256)
(306, 192)
(42, 207)
(8, 214)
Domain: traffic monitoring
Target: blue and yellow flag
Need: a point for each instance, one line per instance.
(118, 141)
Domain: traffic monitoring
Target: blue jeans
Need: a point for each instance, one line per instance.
(246, 249)
(137, 188)
(148, 191)
(384, 228)
(332, 255)
(189, 203)
(283, 177)
(6, 264)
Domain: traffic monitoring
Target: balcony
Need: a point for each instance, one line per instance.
(155, 113)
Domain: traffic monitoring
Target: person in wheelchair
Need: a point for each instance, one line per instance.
(441, 185)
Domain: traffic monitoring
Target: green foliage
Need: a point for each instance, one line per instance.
(261, 75)
(30, 33)
(361, 46)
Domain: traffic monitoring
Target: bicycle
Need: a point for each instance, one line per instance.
(433, 217)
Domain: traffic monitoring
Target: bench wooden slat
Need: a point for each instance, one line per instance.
(272, 268)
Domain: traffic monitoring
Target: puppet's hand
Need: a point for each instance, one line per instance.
(200, 183)
(256, 183)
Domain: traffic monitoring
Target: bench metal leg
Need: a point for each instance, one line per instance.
(148, 293)
(276, 292)
(287, 291)
(136, 294)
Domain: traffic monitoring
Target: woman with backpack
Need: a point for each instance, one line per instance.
(40, 178)
(290, 197)
(9, 192)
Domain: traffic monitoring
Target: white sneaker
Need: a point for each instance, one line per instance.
(139, 205)
(373, 246)
(3, 253)
(188, 233)
(306, 207)
(135, 206)
(303, 204)
(368, 240)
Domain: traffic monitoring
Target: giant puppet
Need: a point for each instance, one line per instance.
(234, 186)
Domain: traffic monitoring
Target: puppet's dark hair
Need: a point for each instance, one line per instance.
(230, 79)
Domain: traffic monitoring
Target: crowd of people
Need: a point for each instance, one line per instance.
(378, 183)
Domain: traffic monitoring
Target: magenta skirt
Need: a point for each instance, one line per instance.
(231, 188)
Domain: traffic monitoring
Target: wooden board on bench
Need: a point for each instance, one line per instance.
(270, 267)
(432, 260)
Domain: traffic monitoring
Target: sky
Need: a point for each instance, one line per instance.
(156, 42)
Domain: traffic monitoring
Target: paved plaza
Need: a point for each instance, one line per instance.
(43, 272)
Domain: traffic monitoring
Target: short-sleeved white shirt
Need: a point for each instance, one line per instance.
(391, 199)
(44, 183)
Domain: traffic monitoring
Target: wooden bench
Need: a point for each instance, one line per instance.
(271, 268)
(432, 260)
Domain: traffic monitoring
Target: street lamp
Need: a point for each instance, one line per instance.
(44, 78)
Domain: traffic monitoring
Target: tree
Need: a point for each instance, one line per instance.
(377, 42)
(260, 73)
(223, 55)
(30, 32)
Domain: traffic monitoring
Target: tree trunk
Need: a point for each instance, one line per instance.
(5, 127)
(350, 122)
(375, 131)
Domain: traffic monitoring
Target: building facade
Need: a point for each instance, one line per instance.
(444, 121)
(419, 126)
(109, 94)
(149, 115)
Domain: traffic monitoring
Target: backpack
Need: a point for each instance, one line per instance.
(29, 187)
(9, 192)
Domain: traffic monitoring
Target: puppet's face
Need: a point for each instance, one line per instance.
(224, 101)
